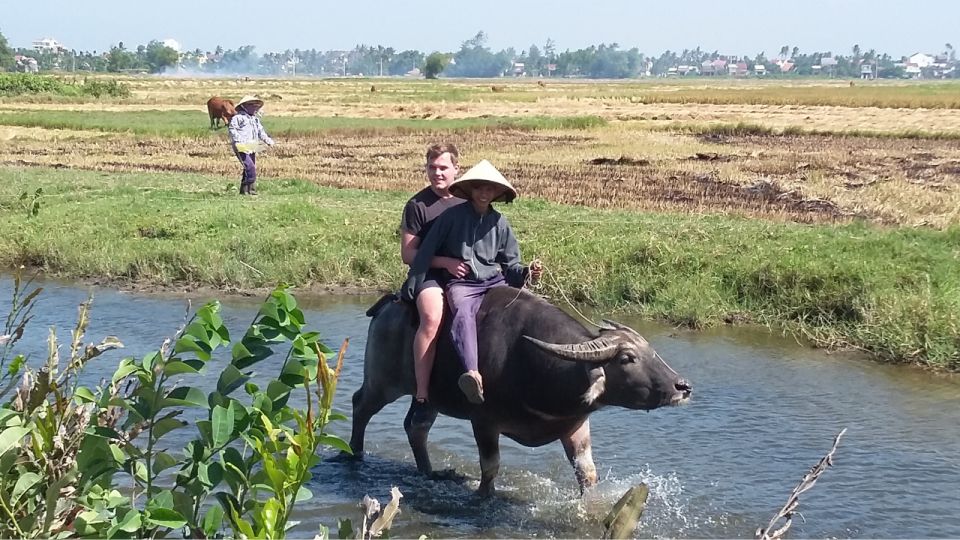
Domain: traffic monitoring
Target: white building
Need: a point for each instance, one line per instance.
(172, 43)
(48, 45)
(921, 60)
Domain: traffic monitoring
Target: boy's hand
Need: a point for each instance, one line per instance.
(457, 268)
(536, 270)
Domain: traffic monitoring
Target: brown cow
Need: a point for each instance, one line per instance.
(220, 108)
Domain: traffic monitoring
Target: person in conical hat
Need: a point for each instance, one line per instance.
(481, 237)
(246, 133)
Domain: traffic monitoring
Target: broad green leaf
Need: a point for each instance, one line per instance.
(269, 311)
(212, 521)
(230, 379)
(10, 437)
(205, 428)
(83, 395)
(287, 300)
(188, 344)
(222, 420)
(292, 374)
(335, 442)
(166, 517)
(240, 352)
(211, 474)
(127, 366)
(162, 499)
(199, 331)
(178, 367)
(335, 416)
(163, 461)
(9, 418)
(303, 494)
(210, 314)
(186, 396)
(278, 393)
(166, 425)
(129, 522)
(271, 514)
(25, 482)
(140, 471)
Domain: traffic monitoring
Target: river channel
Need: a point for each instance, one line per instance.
(764, 410)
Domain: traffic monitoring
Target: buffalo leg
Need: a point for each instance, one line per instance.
(417, 432)
(488, 442)
(577, 447)
(365, 406)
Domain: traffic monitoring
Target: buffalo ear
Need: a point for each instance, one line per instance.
(605, 325)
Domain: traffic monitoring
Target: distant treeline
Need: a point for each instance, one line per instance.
(473, 59)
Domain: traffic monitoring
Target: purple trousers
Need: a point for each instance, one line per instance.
(464, 298)
(249, 162)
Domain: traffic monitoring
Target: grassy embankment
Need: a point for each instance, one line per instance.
(892, 291)
(185, 124)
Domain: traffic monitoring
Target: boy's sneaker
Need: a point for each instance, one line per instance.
(470, 386)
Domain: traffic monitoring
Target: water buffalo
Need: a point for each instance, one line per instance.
(220, 109)
(543, 374)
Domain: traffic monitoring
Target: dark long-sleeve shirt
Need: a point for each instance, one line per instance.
(486, 243)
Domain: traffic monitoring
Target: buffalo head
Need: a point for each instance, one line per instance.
(627, 373)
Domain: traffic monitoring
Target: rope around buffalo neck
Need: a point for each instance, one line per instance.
(529, 283)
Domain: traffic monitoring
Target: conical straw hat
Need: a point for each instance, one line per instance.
(250, 99)
(482, 172)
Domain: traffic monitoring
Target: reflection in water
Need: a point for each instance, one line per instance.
(764, 411)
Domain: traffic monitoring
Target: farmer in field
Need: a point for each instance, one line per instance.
(246, 134)
(418, 216)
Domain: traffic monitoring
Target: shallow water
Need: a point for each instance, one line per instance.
(764, 411)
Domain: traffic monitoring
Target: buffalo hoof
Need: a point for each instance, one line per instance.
(485, 491)
(448, 475)
(344, 457)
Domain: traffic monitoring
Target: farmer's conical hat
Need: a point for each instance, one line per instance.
(253, 100)
(482, 172)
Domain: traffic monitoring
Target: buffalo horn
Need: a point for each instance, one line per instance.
(596, 350)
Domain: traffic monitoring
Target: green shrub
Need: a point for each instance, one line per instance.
(78, 461)
(15, 84)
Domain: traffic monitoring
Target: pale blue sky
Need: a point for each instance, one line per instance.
(733, 27)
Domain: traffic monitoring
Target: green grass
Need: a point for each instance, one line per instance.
(196, 124)
(892, 291)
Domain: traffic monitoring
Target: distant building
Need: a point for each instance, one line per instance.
(866, 71)
(786, 66)
(759, 69)
(519, 69)
(828, 65)
(738, 69)
(921, 60)
(48, 45)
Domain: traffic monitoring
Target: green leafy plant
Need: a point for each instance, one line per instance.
(82, 462)
(43, 426)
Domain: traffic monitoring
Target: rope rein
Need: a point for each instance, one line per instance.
(530, 283)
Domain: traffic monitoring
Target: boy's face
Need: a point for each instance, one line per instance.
(442, 171)
(486, 192)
